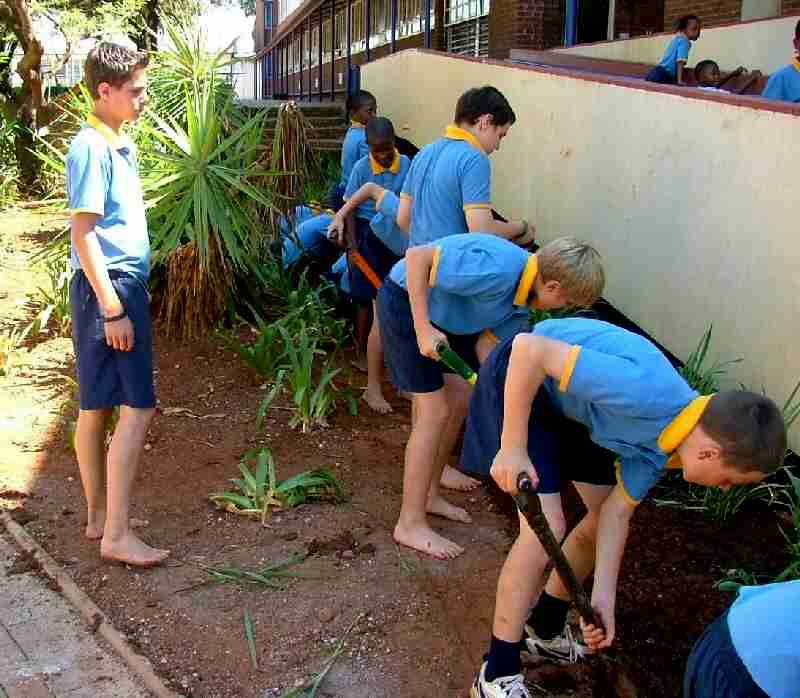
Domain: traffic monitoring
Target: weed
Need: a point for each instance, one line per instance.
(259, 490)
(311, 686)
(251, 639)
(12, 353)
(265, 355)
(55, 298)
(704, 379)
(268, 575)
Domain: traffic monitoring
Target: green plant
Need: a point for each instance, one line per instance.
(249, 634)
(55, 298)
(327, 174)
(12, 352)
(268, 575)
(259, 490)
(314, 399)
(265, 354)
(704, 379)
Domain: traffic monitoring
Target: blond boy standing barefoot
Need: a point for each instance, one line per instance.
(110, 302)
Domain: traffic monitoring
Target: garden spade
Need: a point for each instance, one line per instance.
(528, 503)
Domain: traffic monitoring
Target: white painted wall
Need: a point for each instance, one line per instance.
(692, 202)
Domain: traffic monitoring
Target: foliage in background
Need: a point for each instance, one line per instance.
(320, 181)
(259, 491)
(8, 163)
(12, 353)
(54, 299)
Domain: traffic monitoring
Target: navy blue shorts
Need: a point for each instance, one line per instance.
(559, 448)
(714, 668)
(379, 257)
(662, 76)
(108, 377)
(410, 370)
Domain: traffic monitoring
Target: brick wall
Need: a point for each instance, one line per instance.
(535, 24)
(711, 12)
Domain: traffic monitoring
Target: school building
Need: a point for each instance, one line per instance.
(312, 49)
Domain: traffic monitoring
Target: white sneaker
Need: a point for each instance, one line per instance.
(562, 649)
(501, 687)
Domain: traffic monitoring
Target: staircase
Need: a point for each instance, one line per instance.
(328, 121)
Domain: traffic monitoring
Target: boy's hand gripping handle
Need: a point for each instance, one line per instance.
(528, 503)
(455, 363)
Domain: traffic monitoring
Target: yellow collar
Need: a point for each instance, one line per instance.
(377, 168)
(796, 64)
(105, 131)
(680, 427)
(526, 280)
(356, 124)
(459, 134)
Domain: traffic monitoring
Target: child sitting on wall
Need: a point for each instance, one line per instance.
(784, 85)
(708, 77)
(670, 70)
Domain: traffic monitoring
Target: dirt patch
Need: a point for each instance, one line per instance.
(426, 623)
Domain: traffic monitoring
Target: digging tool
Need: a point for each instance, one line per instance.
(454, 362)
(528, 503)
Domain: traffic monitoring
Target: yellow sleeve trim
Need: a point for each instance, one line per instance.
(75, 211)
(437, 255)
(470, 207)
(626, 495)
(569, 368)
(403, 195)
(491, 336)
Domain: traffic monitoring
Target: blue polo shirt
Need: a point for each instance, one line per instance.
(678, 50)
(447, 178)
(623, 389)
(476, 282)
(368, 170)
(384, 224)
(103, 178)
(354, 148)
(763, 623)
(785, 84)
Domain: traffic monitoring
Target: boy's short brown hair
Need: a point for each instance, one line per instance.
(111, 63)
(577, 266)
(749, 429)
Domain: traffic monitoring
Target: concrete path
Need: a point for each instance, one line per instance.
(46, 650)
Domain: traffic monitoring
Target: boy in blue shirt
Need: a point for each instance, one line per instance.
(451, 291)
(670, 69)
(109, 301)
(785, 84)
(752, 650)
(563, 403)
(448, 192)
(385, 169)
(361, 109)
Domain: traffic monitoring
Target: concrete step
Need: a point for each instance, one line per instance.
(336, 132)
(316, 121)
(330, 145)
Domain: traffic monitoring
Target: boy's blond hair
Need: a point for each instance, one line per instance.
(111, 63)
(577, 266)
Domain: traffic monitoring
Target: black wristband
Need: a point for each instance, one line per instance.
(123, 314)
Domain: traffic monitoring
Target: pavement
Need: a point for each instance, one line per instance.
(46, 650)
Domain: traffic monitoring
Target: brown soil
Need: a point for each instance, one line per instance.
(424, 624)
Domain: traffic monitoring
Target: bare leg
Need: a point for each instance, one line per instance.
(374, 392)
(412, 527)
(522, 576)
(119, 542)
(362, 335)
(458, 395)
(580, 545)
(90, 437)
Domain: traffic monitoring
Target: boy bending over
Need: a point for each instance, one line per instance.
(451, 291)
(557, 404)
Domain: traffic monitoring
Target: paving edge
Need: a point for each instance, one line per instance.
(137, 663)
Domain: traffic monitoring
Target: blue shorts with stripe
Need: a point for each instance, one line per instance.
(559, 448)
(108, 377)
(410, 370)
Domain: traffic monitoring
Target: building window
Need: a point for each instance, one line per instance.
(461, 10)
(357, 27)
(268, 14)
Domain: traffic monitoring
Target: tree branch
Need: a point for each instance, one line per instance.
(67, 51)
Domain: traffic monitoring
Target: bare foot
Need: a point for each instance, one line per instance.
(441, 507)
(360, 364)
(132, 550)
(94, 525)
(374, 398)
(427, 541)
(454, 479)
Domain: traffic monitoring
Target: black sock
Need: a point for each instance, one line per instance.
(503, 659)
(549, 616)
